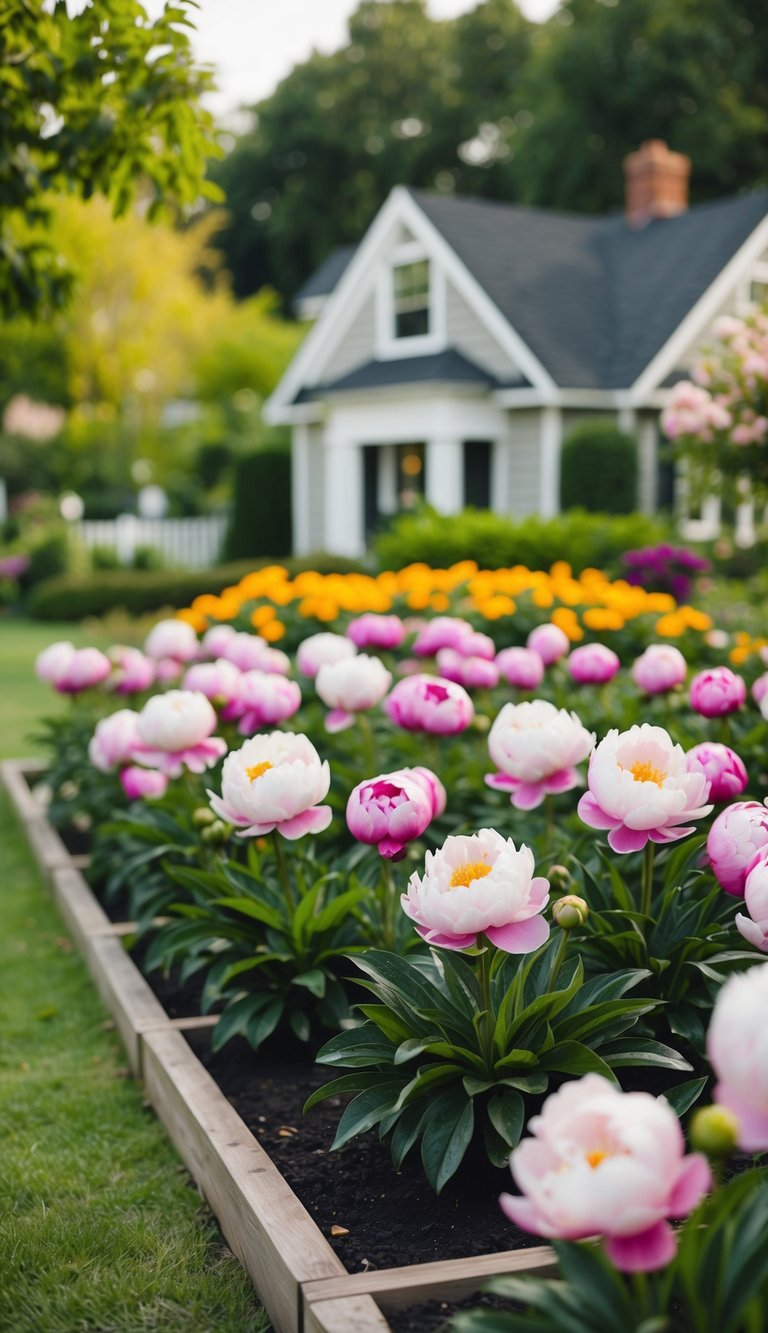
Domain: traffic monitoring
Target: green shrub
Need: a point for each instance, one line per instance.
(47, 559)
(148, 557)
(103, 557)
(497, 542)
(260, 522)
(598, 469)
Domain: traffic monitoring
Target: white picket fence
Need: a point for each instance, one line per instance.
(189, 543)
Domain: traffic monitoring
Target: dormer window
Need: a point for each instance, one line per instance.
(410, 299)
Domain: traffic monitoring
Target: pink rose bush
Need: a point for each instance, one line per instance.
(754, 927)
(352, 685)
(482, 884)
(659, 669)
(723, 769)
(274, 782)
(389, 811)
(536, 747)
(717, 692)
(602, 1162)
(640, 789)
(738, 834)
(430, 703)
(737, 1047)
(175, 732)
(593, 664)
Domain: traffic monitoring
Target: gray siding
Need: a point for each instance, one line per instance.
(316, 482)
(468, 333)
(357, 345)
(523, 462)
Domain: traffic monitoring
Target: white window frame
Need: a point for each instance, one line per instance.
(388, 346)
(758, 273)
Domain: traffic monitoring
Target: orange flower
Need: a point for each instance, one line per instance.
(671, 626)
(272, 631)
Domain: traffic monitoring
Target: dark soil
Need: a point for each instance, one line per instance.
(179, 999)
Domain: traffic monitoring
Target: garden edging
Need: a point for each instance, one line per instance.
(301, 1281)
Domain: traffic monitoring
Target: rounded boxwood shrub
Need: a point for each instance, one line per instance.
(598, 469)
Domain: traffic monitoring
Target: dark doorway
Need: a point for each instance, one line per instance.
(477, 474)
(371, 488)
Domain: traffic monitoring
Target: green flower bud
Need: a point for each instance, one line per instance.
(560, 878)
(714, 1130)
(202, 815)
(481, 722)
(216, 833)
(570, 912)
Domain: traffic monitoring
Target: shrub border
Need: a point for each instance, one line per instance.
(298, 1276)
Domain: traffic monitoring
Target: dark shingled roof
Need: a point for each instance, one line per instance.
(327, 277)
(450, 366)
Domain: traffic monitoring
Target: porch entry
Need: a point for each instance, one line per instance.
(397, 478)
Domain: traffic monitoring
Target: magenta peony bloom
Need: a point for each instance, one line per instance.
(274, 781)
(717, 692)
(593, 664)
(475, 885)
(351, 686)
(175, 733)
(607, 1163)
(735, 838)
(143, 784)
(760, 689)
(474, 673)
(322, 650)
(737, 1046)
(659, 669)
(723, 769)
(85, 669)
(430, 703)
(754, 927)
(536, 747)
(389, 811)
(521, 667)
(172, 638)
(375, 631)
(115, 740)
(134, 672)
(640, 788)
(549, 641)
(262, 700)
(442, 632)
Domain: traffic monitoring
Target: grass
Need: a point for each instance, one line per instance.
(101, 1230)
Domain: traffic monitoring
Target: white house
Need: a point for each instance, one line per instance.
(461, 340)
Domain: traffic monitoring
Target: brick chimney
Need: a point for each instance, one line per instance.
(656, 183)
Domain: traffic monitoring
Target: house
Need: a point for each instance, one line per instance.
(458, 344)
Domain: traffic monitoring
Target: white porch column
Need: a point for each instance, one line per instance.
(300, 499)
(500, 467)
(344, 528)
(445, 474)
(550, 439)
(387, 479)
(647, 467)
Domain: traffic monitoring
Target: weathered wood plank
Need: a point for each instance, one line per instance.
(268, 1228)
(14, 774)
(346, 1314)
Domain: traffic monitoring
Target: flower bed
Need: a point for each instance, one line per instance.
(404, 883)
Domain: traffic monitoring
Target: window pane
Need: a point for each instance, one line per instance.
(411, 299)
(411, 323)
(758, 292)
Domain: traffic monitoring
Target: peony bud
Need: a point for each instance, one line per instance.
(560, 879)
(714, 1130)
(202, 816)
(216, 833)
(570, 912)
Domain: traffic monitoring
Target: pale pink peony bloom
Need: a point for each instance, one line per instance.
(593, 664)
(275, 781)
(609, 1163)
(737, 1047)
(754, 928)
(640, 788)
(263, 699)
(550, 642)
(351, 686)
(322, 650)
(721, 766)
(475, 885)
(85, 669)
(737, 835)
(249, 652)
(175, 733)
(114, 741)
(521, 667)
(474, 673)
(535, 747)
(219, 681)
(143, 784)
(54, 660)
(168, 669)
(133, 670)
(760, 689)
(717, 691)
(442, 632)
(375, 631)
(475, 644)
(430, 703)
(659, 669)
(389, 811)
(215, 640)
(172, 638)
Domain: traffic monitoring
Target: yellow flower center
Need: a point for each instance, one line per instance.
(258, 770)
(596, 1157)
(643, 771)
(464, 875)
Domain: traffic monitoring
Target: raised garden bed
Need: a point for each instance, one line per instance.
(300, 1277)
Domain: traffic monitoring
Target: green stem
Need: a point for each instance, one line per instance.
(486, 1025)
(282, 870)
(549, 812)
(388, 904)
(647, 882)
(369, 743)
(642, 1294)
(559, 959)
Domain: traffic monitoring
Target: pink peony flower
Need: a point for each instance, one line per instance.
(172, 638)
(388, 811)
(474, 673)
(351, 686)
(737, 1046)
(442, 632)
(521, 667)
(322, 650)
(549, 641)
(717, 692)
(54, 660)
(609, 1163)
(167, 669)
(175, 733)
(737, 835)
(134, 672)
(219, 681)
(475, 885)
(430, 703)
(274, 781)
(754, 927)
(215, 640)
(760, 689)
(264, 700)
(723, 769)
(249, 652)
(593, 664)
(374, 631)
(114, 741)
(143, 784)
(640, 788)
(535, 747)
(85, 669)
(660, 668)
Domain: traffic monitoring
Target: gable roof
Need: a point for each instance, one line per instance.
(449, 366)
(326, 277)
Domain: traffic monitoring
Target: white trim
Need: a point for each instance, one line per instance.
(550, 438)
(700, 315)
(310, 307)
(445, 473)
(389, 348)
(300, 490)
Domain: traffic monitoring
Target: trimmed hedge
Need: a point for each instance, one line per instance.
(497, 542)
(598, 469)
(260, 520)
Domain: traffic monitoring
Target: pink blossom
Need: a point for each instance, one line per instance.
(737, 1046)
(640, 788)
(175, 733)
(754, 927)
(321, 650)
(134, 672)
(167, 669)
(722, 767)
(274, 781)
(593, 664)
(215, 640)
(351, 686)
(717, 691)
(143, 783)
(263, 699)
(375, 631)
(219, 681)
(536, 747)
(550, 642)
(245, 651)
(760, 688)
(54, 660)
(609, 1163)
(114, 741)
(172, 638)
(474, 673)
(442, 632)
(660, 668)
(521, 667)
(737, 835)
(85, 669)
(389, 811)
(430, 703)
